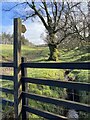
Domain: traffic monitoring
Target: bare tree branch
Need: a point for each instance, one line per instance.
(37, 13)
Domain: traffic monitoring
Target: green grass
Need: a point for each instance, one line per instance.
(40, 54)
(76, 55)
(31, 53)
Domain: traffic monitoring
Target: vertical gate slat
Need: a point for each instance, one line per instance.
(25, 89)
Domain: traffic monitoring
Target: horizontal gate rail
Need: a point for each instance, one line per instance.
(5, 77)
(6, 90)
(59, 102)
(44, 114)
(58, 83)
(7, 102)
(6, 64)
(83, 65)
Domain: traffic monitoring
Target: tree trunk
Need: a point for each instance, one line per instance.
(53, 52)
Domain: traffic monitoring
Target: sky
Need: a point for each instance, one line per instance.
(34, 29)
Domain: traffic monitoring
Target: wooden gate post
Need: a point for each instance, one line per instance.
(17, 62)
(24, 89)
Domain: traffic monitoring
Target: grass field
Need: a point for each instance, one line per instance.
(40, 54)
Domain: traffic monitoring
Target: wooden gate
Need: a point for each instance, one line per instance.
(20, 80)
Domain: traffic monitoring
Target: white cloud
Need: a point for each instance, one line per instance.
(34, 30)
(33, 33)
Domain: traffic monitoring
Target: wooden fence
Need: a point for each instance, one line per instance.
(20, 79)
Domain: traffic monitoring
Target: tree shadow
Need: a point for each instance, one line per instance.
(83, 59)
(41, 60)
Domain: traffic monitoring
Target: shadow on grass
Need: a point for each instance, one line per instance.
(83, 59)
(41, 60)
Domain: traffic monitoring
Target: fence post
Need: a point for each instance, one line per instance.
(24, 89)
(17, 62)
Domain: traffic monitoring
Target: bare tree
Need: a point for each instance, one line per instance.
(81, 22)
(55, 16)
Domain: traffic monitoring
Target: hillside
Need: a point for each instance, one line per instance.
(37, 54)
(40, 54)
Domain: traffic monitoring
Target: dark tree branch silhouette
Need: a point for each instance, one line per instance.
(55, 16)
